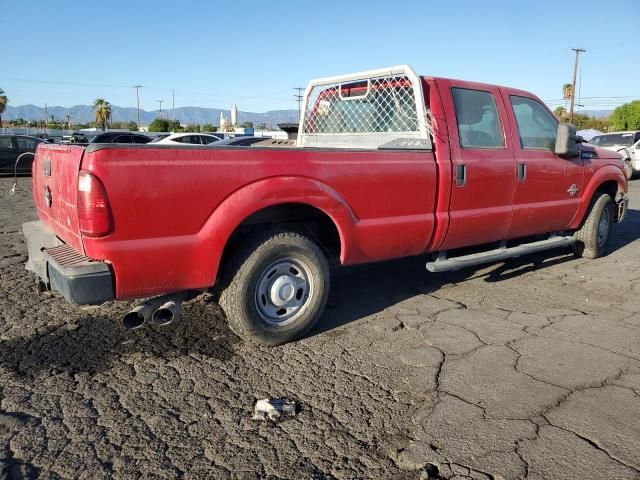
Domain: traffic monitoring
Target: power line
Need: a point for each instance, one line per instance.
(163, 89)
(56, 82)
(589, 98)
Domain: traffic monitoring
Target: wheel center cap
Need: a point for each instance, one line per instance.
(282, 291)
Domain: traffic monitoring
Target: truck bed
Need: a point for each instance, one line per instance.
(163, 197)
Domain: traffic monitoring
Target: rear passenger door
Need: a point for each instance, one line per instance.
(483, 166)
(547, 188)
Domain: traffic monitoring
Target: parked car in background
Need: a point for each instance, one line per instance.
(240, 141)
(188, 139)
(11, 147)
(75, 137)
(626, 144)
(120, 137)
(43, 137)
(159, 137)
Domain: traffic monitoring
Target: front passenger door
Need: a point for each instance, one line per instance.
(547, 188)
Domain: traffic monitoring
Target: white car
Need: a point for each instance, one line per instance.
(626, 144)
(187, 139)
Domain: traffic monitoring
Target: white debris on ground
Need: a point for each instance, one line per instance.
(275, 409)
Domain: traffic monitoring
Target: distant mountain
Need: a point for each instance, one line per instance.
(85, 114)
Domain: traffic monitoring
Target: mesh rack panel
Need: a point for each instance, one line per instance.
(368, 111)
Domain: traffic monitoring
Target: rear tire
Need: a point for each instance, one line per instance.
(593, 236)
(275, 287)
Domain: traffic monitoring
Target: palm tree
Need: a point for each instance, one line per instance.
(3, 104)
(103, 112)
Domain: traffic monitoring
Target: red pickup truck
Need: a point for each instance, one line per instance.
(387, 164)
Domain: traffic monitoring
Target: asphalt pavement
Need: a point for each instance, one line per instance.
(525, 369)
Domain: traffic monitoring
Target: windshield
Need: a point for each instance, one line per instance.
(625, 139)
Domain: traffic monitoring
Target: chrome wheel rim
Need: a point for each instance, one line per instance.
(603, 227)
(284, 291)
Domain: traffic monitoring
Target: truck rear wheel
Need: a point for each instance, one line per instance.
(275, 288)
(592, 238)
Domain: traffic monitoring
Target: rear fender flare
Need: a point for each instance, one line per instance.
(602, 175)
(249, 199)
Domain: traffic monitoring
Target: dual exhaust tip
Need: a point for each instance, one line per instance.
(159, 311)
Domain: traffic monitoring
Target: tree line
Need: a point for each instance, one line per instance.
(624, 117)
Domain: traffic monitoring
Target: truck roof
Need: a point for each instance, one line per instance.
(480, 85)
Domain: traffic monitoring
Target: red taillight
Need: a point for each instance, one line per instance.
(94, 213)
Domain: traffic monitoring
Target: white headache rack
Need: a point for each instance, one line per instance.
(382, 108)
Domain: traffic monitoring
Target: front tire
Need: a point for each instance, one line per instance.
(275, 288)
(593, 236)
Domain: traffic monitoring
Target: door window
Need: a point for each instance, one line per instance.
(478, 120)
(26, 143)
(5, 143)
(537, 128)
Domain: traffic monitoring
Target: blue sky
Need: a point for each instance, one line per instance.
(253, 53)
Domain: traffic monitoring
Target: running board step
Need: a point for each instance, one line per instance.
(442, 264)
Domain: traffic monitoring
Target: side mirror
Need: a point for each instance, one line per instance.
(567, 141)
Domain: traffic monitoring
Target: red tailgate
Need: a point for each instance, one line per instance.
(55, 190)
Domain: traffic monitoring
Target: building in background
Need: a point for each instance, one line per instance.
(234, 115)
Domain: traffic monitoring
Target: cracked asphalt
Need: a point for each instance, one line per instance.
(525, 369)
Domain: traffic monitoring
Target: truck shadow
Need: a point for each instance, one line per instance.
(365, 290)
(626, 232)
(95, 343)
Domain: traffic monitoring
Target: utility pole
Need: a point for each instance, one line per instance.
(573, 88)
(137, 87)
(46, 119)
(160, 102)
(173, 107)
(298, 96)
